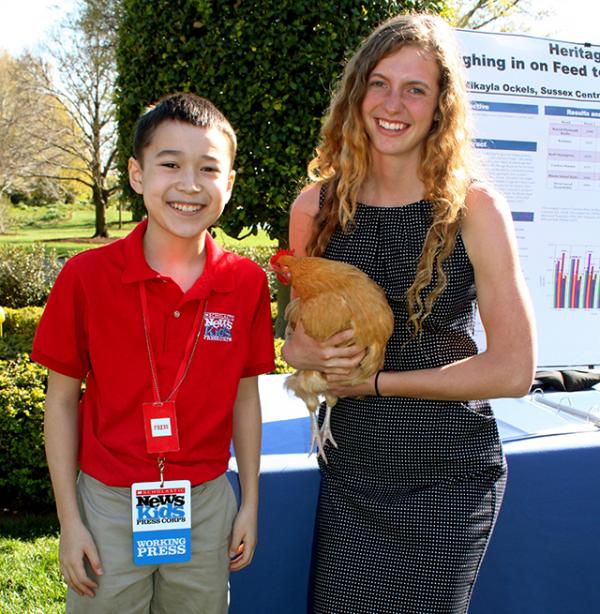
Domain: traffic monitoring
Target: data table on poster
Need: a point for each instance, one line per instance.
(573, 158)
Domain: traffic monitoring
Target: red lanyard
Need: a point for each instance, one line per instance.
(189, 350)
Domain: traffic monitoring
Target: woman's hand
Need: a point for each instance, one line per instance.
(362, 388)
(332, 356)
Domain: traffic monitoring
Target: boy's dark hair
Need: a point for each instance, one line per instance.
(182, 107)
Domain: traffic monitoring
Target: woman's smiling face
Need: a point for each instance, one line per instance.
(400, 102)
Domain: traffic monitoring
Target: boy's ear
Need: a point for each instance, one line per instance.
(230, 182)
(135, 175)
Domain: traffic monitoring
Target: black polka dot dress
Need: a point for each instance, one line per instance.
(409, 498)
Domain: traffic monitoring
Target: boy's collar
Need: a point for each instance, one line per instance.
(215, 277)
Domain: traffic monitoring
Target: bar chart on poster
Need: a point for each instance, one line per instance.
(536, 110)
(574, 277)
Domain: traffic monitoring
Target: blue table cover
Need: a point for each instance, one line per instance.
(544, 552)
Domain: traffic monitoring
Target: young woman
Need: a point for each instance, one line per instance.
(409, 497)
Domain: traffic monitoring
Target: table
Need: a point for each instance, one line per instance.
(543, 555)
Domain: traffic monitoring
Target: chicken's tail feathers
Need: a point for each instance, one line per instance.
(373, 361)
(307, 385)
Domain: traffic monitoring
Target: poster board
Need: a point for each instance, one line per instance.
(536, 111)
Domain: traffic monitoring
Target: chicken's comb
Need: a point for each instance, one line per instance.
(277, 255)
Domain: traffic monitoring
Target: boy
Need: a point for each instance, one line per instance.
(170, 333)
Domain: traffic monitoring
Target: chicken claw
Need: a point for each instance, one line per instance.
(325, 434)
(316, 440)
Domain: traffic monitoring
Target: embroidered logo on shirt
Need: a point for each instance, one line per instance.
(218, 326)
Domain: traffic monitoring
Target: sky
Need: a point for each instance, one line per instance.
(23, 23)
(575, 21)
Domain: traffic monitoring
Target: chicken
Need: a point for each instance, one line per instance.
(332, 296)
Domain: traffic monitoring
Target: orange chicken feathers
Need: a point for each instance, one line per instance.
(333, 296)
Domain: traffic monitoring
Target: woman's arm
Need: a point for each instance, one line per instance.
(507, 365)
(303, 212)
(300, 350)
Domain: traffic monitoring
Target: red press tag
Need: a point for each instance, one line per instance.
(160, 425)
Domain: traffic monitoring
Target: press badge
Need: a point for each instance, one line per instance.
(161, 520)
(160, 426)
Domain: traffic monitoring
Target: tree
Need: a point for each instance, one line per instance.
(83, 55)
(26, 152)
(502, 15)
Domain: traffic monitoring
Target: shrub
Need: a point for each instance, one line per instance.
(280, 365)
(24, 479)
(27, 274)
(18, 331)
(269, 65)
(52, 214)
(46, 215)
(17, 197)
(260, 255)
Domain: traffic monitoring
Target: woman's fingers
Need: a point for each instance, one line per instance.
(341, 338)
(342, 359)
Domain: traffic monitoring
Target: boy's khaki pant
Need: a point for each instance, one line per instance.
(199, 586)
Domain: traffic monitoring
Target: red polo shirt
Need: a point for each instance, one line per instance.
(92, 329)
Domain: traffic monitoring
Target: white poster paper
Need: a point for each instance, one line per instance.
(536, 109)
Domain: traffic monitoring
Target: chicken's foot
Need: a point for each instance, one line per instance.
(325, 434)
(316, 440)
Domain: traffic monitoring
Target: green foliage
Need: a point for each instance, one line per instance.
(280, 365)
(27, 527)
(44, 216)
(24, 479)
(260, 255)
(269, 65)
(53, 214)
(38, 196)
(18, 331)
(27, 216)
(476, 14)
(26, 275)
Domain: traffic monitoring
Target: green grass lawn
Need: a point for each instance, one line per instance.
(30, 580)
(69, 228)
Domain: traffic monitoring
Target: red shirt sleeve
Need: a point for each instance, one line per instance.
(60, 341)
(261, 357)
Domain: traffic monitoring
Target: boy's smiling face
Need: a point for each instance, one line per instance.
(185, 177)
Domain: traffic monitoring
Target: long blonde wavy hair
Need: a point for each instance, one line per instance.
(342, 161)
